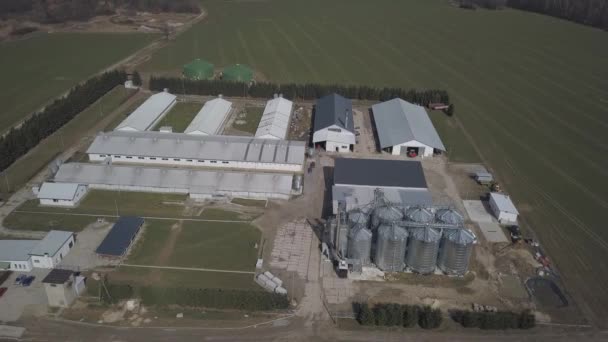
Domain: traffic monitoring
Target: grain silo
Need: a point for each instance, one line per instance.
(422, 249)
(457, 245)
(359, 244)
(449, 216)
(418, 214)
(358, 217)
(386, 215)
(390, 247)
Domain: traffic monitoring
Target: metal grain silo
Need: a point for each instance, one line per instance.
(386, 215)
(419, 215)
(422, 249)
(449, 216)
(358, 217)
(457, 245)
(360, 244)
(390, 247)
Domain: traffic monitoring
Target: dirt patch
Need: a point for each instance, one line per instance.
(166, 252)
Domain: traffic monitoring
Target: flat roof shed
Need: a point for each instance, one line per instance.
(120, 237)
(379, 173)
(59, 191)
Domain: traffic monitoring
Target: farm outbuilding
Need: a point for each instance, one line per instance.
(120, 237)
(503, 208)
(61, 194)
(148, 113)
(179, 149)
(275, 119)
(210, 119)
(14, 255)
(199, 184)
(198, 69)
(334, 129)
(62, 287)
(356, 180)
(238, 73)
(49, 252)
(405, 129)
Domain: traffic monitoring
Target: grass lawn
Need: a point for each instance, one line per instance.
(531, 92)
(250, 202)
(40, 68)
(182, 278)
(252, 120)
(220, 214)
(180, 116)
(47, 221)
(40, 156)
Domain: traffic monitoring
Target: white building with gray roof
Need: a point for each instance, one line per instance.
(211, 118)
(61, 194)
(149, 113)
(334, 129)
(14, 255)
(179, 149)
(23, 255)
(198, 183)
(274, 123)
(404, 127)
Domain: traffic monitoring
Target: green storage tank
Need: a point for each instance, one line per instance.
(238, 72)
(198, 69)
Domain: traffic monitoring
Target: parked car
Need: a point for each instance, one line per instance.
(28, 281)
(2, 291)
(19, 279)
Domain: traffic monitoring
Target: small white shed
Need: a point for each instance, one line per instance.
(503, 208)
(61, 194)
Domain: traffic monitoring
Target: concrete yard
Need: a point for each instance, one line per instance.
(19, 300)
(82, 256)
(291, 248)
(478, 212)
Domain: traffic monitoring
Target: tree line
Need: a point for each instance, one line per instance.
(57, 11)
(500, 320)
(392, 314)
(306, 91)
(18, 141)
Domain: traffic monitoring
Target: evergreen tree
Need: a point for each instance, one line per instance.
(410, 315)
(380, 315)
(136, 79)
(366, 315)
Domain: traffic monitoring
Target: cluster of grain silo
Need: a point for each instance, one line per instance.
(404, 238)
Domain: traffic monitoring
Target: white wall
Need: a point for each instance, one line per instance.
(331, 146)
(57, 203)
(20, 266)
(50, 261)
(203, 196)
(195, 162)
(334, 138)
(423, 150)
(502, 216)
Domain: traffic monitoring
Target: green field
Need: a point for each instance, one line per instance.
(38, 69)
(251, 120)
(531, 92)
(180, 116)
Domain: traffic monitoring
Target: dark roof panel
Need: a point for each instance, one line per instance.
(379, 172)
(57, 276)
(120, 237)
(334, 110)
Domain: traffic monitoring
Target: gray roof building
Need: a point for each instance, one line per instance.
(357, 196)
(16, 250)
(51, 243)
(60, 191)
(334, 110)
(148, 113)
(398, 121)
(379, 173)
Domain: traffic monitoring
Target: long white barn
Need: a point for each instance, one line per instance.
(179, 149)
(210, 118)
(199, 184)
(149, 113)
(275, 120)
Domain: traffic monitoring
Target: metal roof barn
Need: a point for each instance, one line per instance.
(51, 243)
(174, 180)
(210, 118)
(120, 237)
(148, 113)
(358, 196)
(379, 173)
(16, 250)
(334, 110)
(60, 191)
(399, 121)
(197, 147)
(198, 69)
(504, 203)
(275, 120)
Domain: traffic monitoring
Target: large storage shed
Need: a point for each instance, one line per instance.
(503, 208)
(179, 149)
(274, 123)
(199, 184)
(405, 128)
(334, 129)
(210, 119)
(119, 239)
(355, 181)
(149, 113)
(61, 194)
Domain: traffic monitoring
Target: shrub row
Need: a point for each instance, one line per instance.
(494, 320)
(306, 91)
(18, 141)
(391, 314)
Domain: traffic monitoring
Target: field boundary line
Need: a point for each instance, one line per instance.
(146, 217)
(188, 269)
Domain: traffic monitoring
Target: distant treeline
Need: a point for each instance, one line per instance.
(18, 141)
(588, 12)
(56, 11)
(307, 91)
(392, 314)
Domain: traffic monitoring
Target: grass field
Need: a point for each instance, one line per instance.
(531, 92)
(180, 116)
(251, 120)
(38, 69)
(39, 157)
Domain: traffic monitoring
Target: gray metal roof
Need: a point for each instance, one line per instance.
(356, 196)
(334, 110)
(275, 119)
(60, 191)
(202, 147)
(57, 276)
(148, 112)
(16, 250)
(51, 243)
(194, 181)
(120, 237)
(504, 203)
(399, 121)
(210, 118)
(379, 173)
